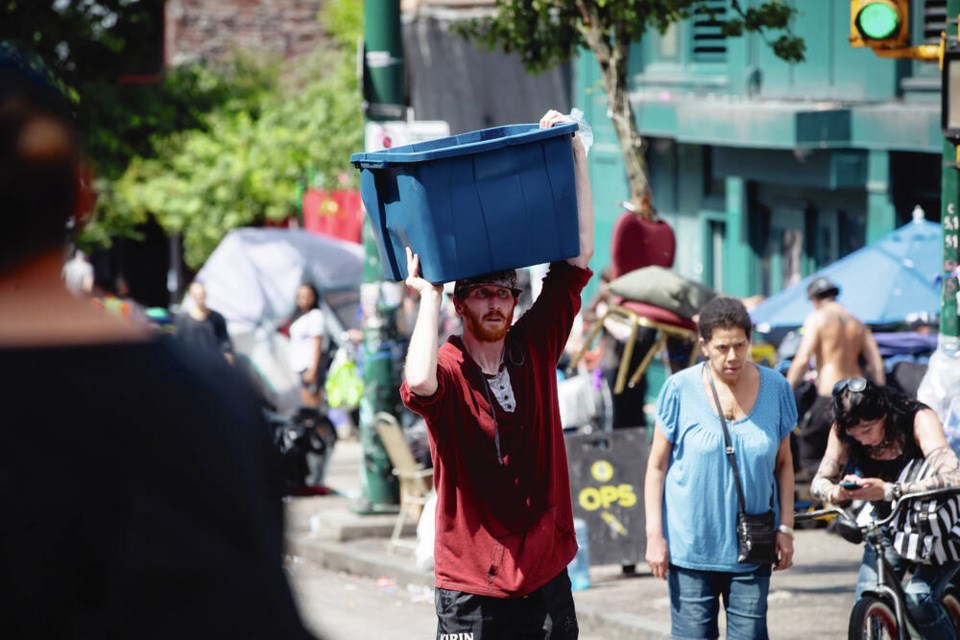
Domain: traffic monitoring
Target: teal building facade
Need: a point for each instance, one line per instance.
(766, 170)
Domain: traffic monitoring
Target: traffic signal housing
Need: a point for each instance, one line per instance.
(880, 24)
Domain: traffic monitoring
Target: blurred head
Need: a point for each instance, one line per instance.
(199, 294)
(307, 297)
(121, 286)
(39, 162)
(822, 288)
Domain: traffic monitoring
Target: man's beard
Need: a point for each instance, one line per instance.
(482, 332)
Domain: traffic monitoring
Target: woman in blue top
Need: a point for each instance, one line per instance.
(690, 492)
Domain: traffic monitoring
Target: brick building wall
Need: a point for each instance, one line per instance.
(213, 29)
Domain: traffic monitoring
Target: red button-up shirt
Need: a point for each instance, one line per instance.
(504, 530)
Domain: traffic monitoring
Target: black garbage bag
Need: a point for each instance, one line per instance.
(305, 441)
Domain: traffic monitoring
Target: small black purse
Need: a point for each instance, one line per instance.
(756, 533)
(757, 537)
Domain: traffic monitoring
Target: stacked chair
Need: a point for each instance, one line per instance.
(647, 294)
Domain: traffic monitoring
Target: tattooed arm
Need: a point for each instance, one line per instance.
(929, 434)
(824, 485)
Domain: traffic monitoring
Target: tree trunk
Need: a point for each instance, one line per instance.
(613, 67)
(631, 144)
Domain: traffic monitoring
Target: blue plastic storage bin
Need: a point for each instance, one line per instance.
(474, 203)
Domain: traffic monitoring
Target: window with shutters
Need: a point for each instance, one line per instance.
(934, 20)
(928, 18)
(709, 43)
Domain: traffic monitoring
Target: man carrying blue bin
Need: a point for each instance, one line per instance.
(505, 530)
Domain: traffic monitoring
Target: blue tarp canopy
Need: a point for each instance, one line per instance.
(893, 280)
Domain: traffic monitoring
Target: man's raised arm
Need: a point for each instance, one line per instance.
(584, 191)
(420, 370)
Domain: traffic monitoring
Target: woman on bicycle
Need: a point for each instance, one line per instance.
(876, 432)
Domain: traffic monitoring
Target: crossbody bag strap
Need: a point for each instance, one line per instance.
(726, 439)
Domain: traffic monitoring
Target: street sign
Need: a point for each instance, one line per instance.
(606, 480)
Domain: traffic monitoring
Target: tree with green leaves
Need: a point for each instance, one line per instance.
(545, 33)
(107, 56)
(248, 166)
(200, 148)
(101, 51)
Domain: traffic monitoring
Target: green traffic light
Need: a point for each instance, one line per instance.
(878, 21)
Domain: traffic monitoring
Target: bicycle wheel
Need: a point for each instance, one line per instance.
(951, 602)
(872, 619)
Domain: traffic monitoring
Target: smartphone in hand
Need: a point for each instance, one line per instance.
(850, 485)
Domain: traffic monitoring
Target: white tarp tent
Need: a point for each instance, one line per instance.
(252, 278)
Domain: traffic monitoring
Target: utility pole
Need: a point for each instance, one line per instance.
(383, 99)
(948, 343)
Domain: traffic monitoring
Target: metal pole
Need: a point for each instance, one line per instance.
(383, 94)
(949, 216)
(383, 77)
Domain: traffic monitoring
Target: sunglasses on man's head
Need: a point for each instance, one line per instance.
(856, 385)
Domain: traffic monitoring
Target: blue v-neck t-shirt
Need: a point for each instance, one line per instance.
(700, 498)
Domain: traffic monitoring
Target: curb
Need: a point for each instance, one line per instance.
(362, 557)
(368, 557)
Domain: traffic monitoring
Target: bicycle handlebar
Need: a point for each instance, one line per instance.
(907, 498)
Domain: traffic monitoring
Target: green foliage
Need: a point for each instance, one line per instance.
(203, 149)
(247, 165)
(90, 45)
(127, 121)
(547, 32)
(85, 40)
(542, 33)
(773, 14)
(344, 21)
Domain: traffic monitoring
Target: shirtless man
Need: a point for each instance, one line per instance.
(837, 341)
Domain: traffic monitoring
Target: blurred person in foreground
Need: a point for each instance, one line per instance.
(140, 493)
(837, 342)
(504, 521)
(690, 489)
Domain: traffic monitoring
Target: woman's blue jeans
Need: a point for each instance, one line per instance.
(695, 598)
(923, 591)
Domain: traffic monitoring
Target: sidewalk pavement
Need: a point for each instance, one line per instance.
(811, 600)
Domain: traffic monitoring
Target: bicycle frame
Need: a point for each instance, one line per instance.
(888, 587)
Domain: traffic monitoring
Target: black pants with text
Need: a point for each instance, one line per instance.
(546, 614)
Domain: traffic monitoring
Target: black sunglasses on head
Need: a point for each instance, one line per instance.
(856, 385)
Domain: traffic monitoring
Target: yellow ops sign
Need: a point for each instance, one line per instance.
(607, 493)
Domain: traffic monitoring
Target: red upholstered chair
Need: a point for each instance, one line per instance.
(636, 243)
